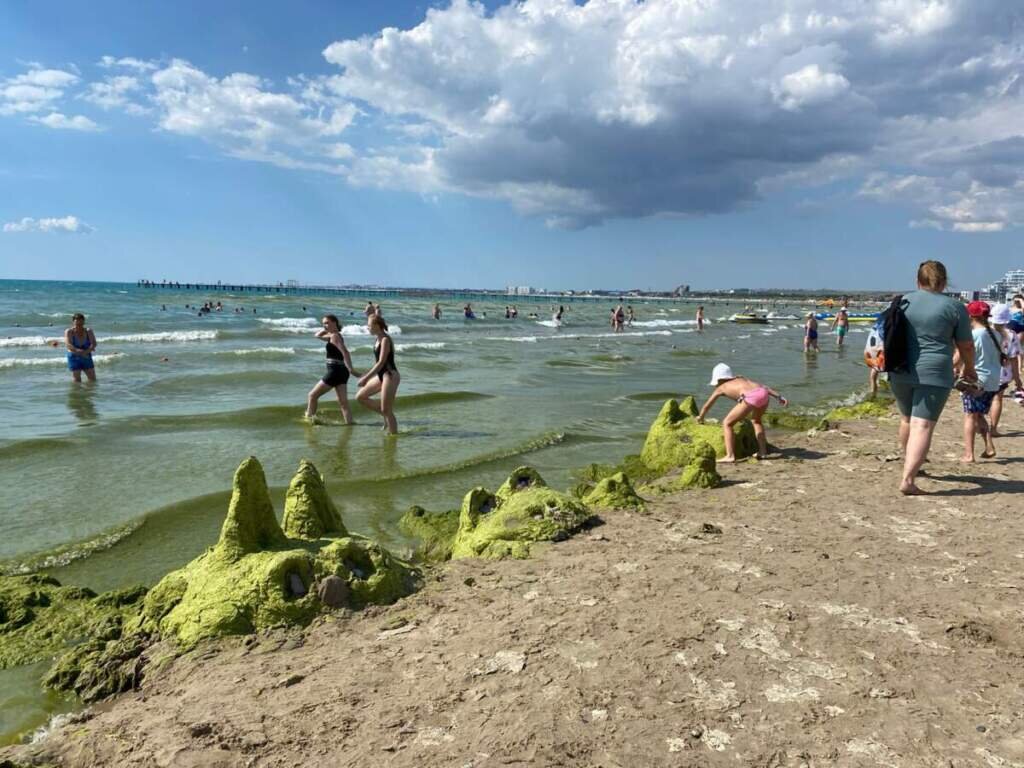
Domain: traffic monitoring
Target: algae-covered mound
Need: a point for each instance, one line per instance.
(435, 530)
(257, 577)
(508, 524)
(39, 617)
(671, 438)
(701, 472)
(868, 409)
(614, 492)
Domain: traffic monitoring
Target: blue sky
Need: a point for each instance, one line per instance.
(803, 143)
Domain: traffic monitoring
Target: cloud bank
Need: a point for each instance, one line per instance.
(581, 113)
(66, 224)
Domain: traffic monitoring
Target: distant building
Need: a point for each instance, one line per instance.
(681, 290)
(519, 290)
(1010, 283)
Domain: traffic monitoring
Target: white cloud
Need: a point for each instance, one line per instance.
(110, 62)
(33, 91)
(113, 92)
(580, 112)
(62, 122)
(65, 224)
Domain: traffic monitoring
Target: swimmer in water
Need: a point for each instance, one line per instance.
(436, 314)
(383, 377)
(339, 368)
(752, 401)
(700, 319)
(80, 343)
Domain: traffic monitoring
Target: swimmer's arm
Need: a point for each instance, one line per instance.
(707, 406)
(345, 354)
(67, 342)
(92, 341)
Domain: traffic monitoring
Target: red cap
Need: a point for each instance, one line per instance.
(978, 309)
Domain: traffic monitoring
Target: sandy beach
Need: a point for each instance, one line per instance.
(803, 614)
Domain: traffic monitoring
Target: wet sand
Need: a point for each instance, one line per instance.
(805, 614)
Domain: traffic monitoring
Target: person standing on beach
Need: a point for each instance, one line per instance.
(841, 325)
(80, 343)
(935, 324)
(339, 368)
(383, 377)
(987, 365)
(1009, 372)
(751, 401)
(811, 333)
(700, 319)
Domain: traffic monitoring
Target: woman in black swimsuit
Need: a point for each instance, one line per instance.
(383, 377)
(339, 367)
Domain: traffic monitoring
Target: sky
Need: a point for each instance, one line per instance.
(600, 144)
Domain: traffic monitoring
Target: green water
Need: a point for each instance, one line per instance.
(119, 482)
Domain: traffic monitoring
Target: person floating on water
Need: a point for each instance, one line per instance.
(80, 343)
(752, 401)
(383, 377)
(811, 333)
(700, 319)
(841, 324)
(339, 368)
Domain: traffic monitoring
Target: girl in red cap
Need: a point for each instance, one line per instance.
(987, 365)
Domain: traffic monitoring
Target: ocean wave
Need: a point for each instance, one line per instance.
(661, 323)
(362, 330)
(262, 351)
(20, 362)
(28, 341)
(521, 339)
(291, 322)
(176, 336)
(61, 556)
(550, 323)
(420, 345)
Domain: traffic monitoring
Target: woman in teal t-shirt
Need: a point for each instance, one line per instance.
(935, 325)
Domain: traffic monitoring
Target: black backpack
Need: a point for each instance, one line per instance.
(893, 322)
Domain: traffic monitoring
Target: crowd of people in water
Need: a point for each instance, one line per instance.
(974, 348)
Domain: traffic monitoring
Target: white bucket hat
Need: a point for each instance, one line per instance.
(1000, 314)
(721, 371)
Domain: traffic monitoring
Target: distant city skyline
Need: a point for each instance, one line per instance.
(803, 144)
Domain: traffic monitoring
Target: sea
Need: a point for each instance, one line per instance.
(118, 482)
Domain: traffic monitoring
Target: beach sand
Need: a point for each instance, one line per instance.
(804, 614)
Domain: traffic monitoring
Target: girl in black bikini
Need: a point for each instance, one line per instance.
(339, 367)
(383, 377)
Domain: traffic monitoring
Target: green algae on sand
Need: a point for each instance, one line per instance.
(39, 617)
(614, 492)
(257, 577)
(867, 409)
(671, 438)
(701, 472)
(435, 531)
(509, 523)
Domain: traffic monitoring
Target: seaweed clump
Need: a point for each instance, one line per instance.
(435, 531)
(675, 432)
(256, 576)
(509, 523)
(614, 492)
(701, 472)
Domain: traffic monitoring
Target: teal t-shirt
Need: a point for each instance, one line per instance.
(934, 323)
(986, 360)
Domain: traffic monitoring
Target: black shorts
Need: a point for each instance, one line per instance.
(336, 376)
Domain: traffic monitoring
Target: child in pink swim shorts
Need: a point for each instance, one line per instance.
(751, 399)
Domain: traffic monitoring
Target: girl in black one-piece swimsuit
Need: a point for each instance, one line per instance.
(383, 377)
(339, 367)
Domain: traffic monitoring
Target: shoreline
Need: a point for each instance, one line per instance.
(652, 637)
